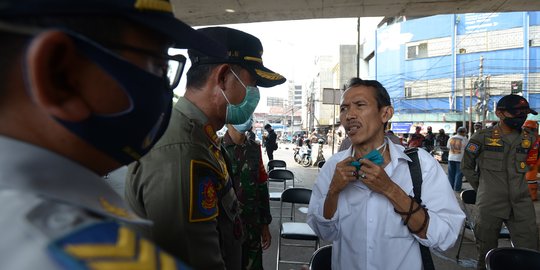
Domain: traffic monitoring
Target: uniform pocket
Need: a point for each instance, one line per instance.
(521, 166)
(492, 161)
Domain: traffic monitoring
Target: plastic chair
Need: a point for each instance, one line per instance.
(321, 259)
(512, 258)
(279, 175)
(468, 198)
(276, 163)
(294, 230)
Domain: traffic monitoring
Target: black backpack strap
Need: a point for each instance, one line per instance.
(416, 173)
(416, 176)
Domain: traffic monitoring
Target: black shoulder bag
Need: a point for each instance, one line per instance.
(416, 176)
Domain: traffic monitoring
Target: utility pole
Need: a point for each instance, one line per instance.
(463, 95)
(357, 53)
(470, 109)
(482, 90)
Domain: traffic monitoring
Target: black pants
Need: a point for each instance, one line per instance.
(270, 154)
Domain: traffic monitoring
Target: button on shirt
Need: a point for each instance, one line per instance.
(365, 230)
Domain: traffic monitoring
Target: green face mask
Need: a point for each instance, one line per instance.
(374, 156)
(240, 113)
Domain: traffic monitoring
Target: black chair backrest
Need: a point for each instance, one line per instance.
(276, 163)
(321, 259)
(513, 258)
(468, 196)
(281, 174)
(296, 195)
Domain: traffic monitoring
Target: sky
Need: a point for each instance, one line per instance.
(290, 47)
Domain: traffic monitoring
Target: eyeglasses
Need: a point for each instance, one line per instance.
(171, 70)
(171, 66)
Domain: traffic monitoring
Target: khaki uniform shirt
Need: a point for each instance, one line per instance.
(494, 165)
(183, 186)
(56, 214)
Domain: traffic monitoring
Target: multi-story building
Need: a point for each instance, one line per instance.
(447, 70)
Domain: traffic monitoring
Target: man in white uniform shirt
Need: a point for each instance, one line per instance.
(357, 208)
(456, 146)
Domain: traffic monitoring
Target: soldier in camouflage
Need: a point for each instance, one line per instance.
(250, 181)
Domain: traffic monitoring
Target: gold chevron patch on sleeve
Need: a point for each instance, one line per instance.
(122, 255)
(124, 247)
(145, 261)
(157, 5)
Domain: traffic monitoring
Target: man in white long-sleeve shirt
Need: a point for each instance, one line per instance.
(363, 210)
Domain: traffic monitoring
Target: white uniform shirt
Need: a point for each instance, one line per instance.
(365, 230)
(456, 145)
(44, 196)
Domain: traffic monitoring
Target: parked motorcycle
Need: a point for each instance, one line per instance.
(302, 155)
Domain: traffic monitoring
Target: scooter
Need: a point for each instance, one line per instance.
(320, 155)
(303, 156)
(297, 154)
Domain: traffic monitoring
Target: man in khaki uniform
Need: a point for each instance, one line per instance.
(183, 185)
(494, 164)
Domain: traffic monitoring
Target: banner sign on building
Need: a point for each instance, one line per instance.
(401, 127)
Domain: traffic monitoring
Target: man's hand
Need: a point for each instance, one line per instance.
(375, 178)
(343, 175)
(266, 237)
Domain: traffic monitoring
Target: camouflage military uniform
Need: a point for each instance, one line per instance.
(494, 164)
(250, 176)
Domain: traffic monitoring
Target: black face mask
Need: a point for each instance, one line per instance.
(515, 122)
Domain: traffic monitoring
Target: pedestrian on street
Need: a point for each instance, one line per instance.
(77, 103)
(456, 146)
(270, 143)
(494, 163)
(363, 201)
(184, 184)
(477, 127)
(429, 140)
(416, 139)
(249, 175)
(441, 139)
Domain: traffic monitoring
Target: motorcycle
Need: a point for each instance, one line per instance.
(320, 155)
(302, 155)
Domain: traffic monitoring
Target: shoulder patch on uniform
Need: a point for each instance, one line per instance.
(108, 245)
(472, 147)
(205, 183)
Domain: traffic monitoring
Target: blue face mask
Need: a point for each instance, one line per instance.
(128, 135)
(245, 126)
(239, 113)
(373, 156)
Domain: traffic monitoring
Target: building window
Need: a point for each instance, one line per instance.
(417, 51)
(274, 102)
(408, 92)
